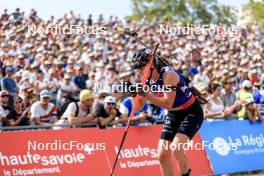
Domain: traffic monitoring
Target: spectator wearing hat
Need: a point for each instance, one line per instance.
(80, 78)
(244, 94)
(80, 112)
(91, 80)
(4, 107)
(29, 96)
(107, 113)
(251, 111)
(66, 87)
(43, 112)
(8, 83)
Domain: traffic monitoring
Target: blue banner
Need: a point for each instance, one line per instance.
(234, 145)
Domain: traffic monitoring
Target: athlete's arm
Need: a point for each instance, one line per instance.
(170, 78)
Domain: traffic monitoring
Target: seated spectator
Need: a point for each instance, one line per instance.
(258, 97)
(80, 79)
(80, 112)
(142, 114)
(251, 111)
(5, 109)
(201, 79)
(66, 87)
(244, 94)
(107, 112)
(18, 116)
(8, 83)
(215, 107)
(43, 112)
(29, 97)
(227, 96)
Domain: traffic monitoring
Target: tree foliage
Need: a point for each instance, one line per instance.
(196, 11)
(256, 11)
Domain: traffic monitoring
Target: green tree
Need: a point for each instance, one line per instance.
(196, 11)
(256, 11)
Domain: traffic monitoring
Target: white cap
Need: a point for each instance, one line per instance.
(246, 84)
(45, 93)
(109, 99)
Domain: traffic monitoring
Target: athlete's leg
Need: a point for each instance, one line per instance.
(165, 157)
(179, 153)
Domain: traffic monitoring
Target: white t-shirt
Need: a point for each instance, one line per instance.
(2, 114)
(67, 87)
(71, 109)
(45, 115)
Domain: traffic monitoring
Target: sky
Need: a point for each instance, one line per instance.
(46, 8)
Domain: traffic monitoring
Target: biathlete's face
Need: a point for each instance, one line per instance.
(142, 70)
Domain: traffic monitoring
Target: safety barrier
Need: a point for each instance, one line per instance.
(231, 146)
(87, 152)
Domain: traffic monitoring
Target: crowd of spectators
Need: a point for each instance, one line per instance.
(39, 69)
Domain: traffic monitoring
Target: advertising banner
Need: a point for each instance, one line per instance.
(234, 146)
(87, 152)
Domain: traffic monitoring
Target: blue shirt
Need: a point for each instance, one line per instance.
(80, 81)
(127, 102)
(9, 84)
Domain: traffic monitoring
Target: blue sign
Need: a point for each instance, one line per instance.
(234, 145)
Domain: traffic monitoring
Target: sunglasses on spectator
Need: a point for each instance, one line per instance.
(4, 96)
(111, 104)
(16, 102)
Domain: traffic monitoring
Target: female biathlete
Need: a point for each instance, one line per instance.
(185, 114)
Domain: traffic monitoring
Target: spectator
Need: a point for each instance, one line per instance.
(52, 84)
(18, 116)
(258, 97)
(80, 112)
(142, 114)
(8, 83)
(40, 83)
(201, 79)
(227, 96)
(66, 88)
(244, 94)
(215, 107)
(107, 112)
(80, 79)
(29, 97)
(5, 109)
(251, 112)
(43, 112)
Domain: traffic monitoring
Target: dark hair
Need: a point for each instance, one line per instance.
(213, 87)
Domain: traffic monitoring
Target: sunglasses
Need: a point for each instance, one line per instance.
(4, 96)
(111, 104)
(16, 102)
